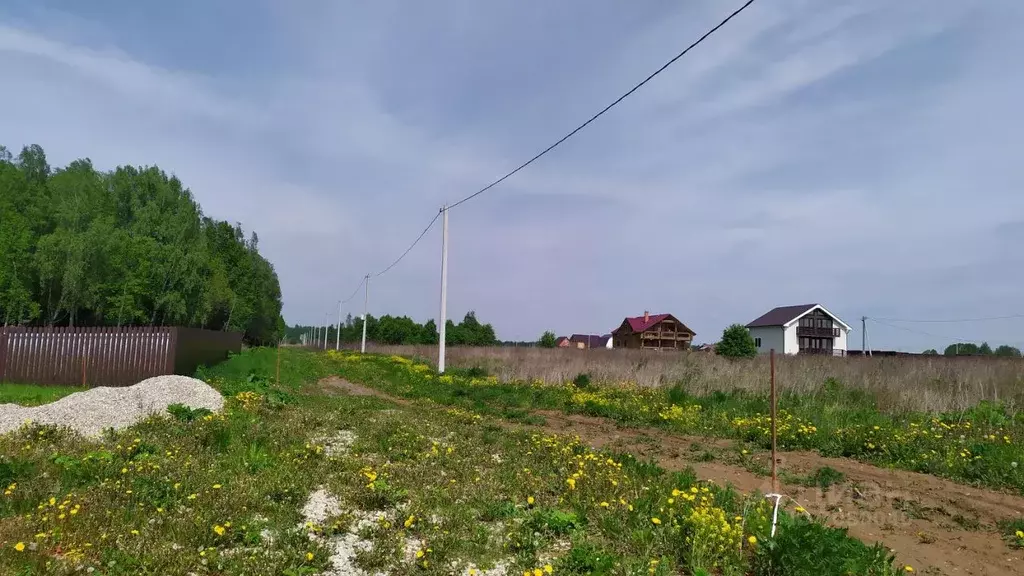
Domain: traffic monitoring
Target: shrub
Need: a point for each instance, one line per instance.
(183, 413)
(736, 343)
(581, 381)
(547, 340)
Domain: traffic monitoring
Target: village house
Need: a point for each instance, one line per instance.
(591, 341)
(652, 332)
(803, 329)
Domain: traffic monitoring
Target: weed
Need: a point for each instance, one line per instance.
(183, 413)
(581, 381)
(823, 478)
(967, 523)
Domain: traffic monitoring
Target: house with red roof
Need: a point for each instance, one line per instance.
(653, 332)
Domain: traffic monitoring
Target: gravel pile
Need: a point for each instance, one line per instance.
(91, 411)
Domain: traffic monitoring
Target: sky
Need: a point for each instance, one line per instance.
(861, 154)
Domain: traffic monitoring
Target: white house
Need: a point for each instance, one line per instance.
(803, 329)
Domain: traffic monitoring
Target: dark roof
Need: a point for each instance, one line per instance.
(781, 315)
(591, 340)
(560, 339)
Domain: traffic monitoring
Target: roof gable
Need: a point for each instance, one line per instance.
(636, 324)
(786, 315)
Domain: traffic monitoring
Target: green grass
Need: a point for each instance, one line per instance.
(434, 489)
(34, 395)
(980, 446)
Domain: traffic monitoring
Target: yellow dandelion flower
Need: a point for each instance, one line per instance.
(752, 539)
(20, 546)
(218, 529)
(216, 486)
(530, 500)
(548, 569)
(656, 520)
(309, 556)
(908, 568)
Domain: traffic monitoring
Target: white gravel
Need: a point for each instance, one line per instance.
(92, 411)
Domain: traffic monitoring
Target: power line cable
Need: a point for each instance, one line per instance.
(606, 108)
(952, 321)
(411, 246)
(354, 292)
(905, 329)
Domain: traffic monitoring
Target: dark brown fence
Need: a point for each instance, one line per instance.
(108, 356)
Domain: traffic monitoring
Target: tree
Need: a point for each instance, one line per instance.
(961, 349)
(81, 247)
(547, 340)
(1007, 350)
(736, 342)
(930, 352)
(985, 349)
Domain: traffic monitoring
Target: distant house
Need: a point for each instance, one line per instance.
(803, 329)
(562, 342)
(653, 332)
(591, 340)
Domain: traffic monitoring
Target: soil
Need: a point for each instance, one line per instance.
(937, 526)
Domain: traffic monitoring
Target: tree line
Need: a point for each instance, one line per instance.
(972, 349)
(81, 247)
(404, 330)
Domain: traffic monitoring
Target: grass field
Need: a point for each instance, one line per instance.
(895, 384)
(979, 445)
(31, 395)
(436, 485)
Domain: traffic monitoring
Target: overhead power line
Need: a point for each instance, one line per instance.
(952, 321)
(354, 292)
(411, 246)
(606, 108)
(923, 333)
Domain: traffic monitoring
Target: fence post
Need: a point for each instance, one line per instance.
(172, 351)
(3, 353)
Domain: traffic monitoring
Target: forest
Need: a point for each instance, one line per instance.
(82, 247)
(404, 330)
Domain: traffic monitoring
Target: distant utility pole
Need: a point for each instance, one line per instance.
(366, 307)
(444, 289)
(863, 334)
(337, 343)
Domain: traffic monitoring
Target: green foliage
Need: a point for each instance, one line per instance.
(80, 247)
(547, 340)
(1007, 350)
(581, 381)
(972, 349)
(803, 548)
(396, 330)
(34, 395)
(823, 478)
(930, 352)
(183, 413)
(736, 343)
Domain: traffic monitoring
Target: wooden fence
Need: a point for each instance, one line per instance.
(108, 356)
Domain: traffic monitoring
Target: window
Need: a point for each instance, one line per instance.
(757, 342)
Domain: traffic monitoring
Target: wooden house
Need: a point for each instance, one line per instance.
(653, 332)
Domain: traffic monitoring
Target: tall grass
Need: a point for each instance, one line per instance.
(898, 384)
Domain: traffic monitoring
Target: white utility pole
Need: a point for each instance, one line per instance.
(444, 289)
(327, 328)
(337, 343)
(366, 307)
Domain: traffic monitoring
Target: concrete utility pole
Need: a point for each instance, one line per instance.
(337, 344)
(444, 289)
(366, 307)
(863, 334)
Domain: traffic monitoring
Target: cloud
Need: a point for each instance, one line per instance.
(858, 153)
